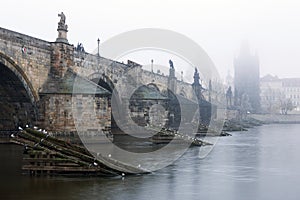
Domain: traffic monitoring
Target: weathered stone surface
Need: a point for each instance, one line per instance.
(42, 67)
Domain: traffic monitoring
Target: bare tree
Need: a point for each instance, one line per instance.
(286, 105)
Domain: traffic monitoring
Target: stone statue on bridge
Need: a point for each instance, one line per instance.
(229, 97)
(171, 64)
(196, 77)
(197, 87)
(62, 29)
(62, 22)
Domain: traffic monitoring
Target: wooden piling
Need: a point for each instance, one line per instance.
(44, 154)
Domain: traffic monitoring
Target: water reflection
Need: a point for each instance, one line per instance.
(263, 163)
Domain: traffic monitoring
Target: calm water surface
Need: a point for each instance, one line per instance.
(263, 163)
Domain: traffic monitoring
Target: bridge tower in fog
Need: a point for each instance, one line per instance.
(246, 79)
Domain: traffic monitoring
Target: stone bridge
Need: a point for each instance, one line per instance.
(37, 78)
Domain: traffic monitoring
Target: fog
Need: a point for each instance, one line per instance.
(219, 26)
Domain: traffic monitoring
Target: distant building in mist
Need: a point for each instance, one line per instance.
(277, 93)
(271, 94)
(246, 80)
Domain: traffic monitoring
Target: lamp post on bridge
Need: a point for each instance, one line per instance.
(152, 65)
(181, 75)
(98, 54)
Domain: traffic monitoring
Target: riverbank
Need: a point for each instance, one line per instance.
(241, 125)
(277, 118)
(254, 120)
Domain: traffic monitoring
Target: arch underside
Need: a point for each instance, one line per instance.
(16, 106)
(104, 82)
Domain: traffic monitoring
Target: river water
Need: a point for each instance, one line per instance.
(263, 163)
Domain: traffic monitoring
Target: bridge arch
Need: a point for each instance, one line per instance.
(154, 86)
(17, 96)
(183, 93)
(102, 80)
(17, 70)
(159, 86)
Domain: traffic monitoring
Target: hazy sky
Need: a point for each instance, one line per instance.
(272, 27)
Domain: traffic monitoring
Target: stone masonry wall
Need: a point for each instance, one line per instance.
(89, 65)
(39, 59)
(91, 113)
(32, 55)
